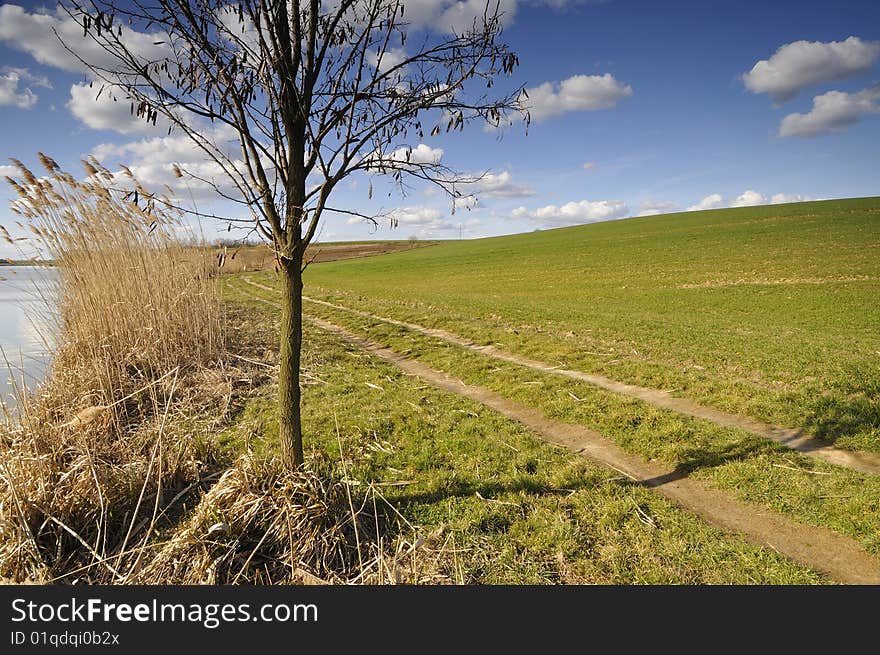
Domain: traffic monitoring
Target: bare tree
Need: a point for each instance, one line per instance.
(310, 93)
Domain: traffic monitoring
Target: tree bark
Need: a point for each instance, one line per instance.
(289, 420)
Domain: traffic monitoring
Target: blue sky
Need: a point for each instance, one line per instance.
(639, 107)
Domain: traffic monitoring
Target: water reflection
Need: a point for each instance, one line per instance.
(27, 326)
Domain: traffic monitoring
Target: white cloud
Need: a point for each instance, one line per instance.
(406, 155)
(713, 201)
(459, 16)
(390, 58)
(422, 13)
(13, 78)
(797, 65)
(420, 218)
(574, 213)
(153, 160)
(26, 75)
(832, 112)
(655, 207)
(465, 202)
(103, 113)
(501, 185)
(452, 15)
(10, 95)
(577, 93)
(421, 154)
(171, 148)
(460, 229)
(8, 171)
(490, 185)
(749, 198)
(32, 32)
(589, 166)
(782, 198)
(239, 31)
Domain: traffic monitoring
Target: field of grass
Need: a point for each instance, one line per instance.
(249, 257)
(511, 508)
(768, 312)
(754, 469)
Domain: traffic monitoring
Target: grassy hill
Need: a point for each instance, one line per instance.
(249, 257)
(770, 312)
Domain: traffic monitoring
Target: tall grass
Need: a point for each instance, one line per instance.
(135, 297)
(89, 459)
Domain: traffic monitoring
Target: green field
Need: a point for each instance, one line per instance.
(511, 508)
(766, 312)
(769, 312)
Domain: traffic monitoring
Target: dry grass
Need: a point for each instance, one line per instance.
(135, 301)
(91, 460)
(246, 258)
(260, 524)
(98, 464)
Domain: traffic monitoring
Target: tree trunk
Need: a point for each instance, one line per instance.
(290, 424)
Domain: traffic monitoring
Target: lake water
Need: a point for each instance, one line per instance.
(26, 326)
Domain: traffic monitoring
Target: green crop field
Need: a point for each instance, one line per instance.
(766, 312)
(511, 508)
(769, 312)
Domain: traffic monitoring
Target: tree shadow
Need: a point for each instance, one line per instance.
(832, 418)
(696, 459)
(693, 460)
(488, 489)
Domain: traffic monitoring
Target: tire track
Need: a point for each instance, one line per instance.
(794, 439)
(818, 548)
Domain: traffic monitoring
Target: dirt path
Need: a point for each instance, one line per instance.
(791, 438)
(822, 550)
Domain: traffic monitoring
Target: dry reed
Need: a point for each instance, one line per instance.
(90, 457)
(135, 300)
(95, 468)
